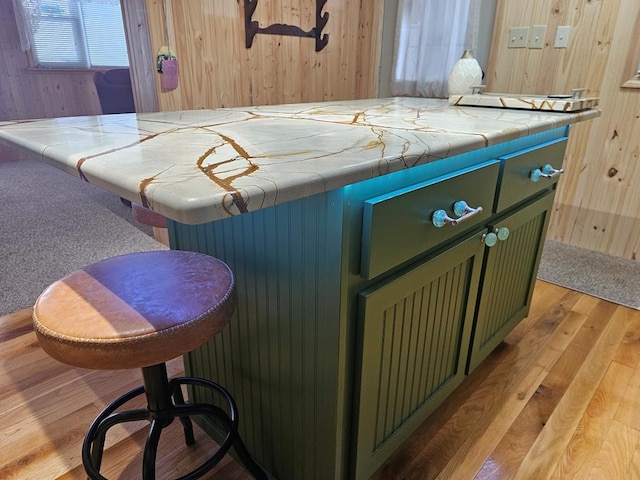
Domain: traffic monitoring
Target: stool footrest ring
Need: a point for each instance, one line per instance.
(93, 445)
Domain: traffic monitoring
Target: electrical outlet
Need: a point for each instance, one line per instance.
(562, 37)
(538, 34)
(518, 37)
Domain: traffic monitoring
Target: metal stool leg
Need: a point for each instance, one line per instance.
(92, 450)
(150, 451)
(165, 402)
(229, 420)
(178, 398)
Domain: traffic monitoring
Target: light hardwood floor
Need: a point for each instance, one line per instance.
(559, 399)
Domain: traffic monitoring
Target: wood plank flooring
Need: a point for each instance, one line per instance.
(558, 399)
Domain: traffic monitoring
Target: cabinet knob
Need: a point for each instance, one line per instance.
(490, 239)
(503, 233)
(440, 218)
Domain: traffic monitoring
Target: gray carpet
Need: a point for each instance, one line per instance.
(53, 224)
(603, 276)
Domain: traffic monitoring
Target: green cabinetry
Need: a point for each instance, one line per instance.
(509, 276)
(425, 326)
(357, 315)
(524, 200)
(416, 332)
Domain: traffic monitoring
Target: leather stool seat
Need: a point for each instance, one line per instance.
(139, 311)
(134, 310)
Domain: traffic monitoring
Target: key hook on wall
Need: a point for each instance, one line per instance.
(252, 27)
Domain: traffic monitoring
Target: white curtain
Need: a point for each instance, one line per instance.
(431, 35)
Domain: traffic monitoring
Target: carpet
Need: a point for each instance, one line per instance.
(611, 278)
(53, 224)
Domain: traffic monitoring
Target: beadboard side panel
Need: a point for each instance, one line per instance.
(280, 354)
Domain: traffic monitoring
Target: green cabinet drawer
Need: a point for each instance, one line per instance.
(414, 331)
(517, 183)
(398, 226)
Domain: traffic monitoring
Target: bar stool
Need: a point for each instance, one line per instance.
(138, 311)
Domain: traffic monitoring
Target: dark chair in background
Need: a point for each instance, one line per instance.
(115, 91)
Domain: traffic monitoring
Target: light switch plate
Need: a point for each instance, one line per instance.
(518, 37)
(538, 34)
(562, 37)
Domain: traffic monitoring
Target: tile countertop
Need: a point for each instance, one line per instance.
(203, 165)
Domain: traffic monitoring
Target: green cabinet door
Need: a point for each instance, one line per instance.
(414, 331)
(511, 266)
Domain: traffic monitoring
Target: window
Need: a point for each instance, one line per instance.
(431, 37)
(74, 33)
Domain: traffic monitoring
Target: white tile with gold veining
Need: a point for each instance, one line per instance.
(203, 165)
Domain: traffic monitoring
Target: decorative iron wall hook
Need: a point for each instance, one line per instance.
(252, 27)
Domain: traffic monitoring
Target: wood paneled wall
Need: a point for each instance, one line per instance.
(26, 93)
(216, 69)
(598, 201)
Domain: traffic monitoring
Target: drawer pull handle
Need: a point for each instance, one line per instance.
(490, 239)
(545, 172)
(461, 209)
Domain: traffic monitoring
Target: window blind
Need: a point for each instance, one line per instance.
(76, 33)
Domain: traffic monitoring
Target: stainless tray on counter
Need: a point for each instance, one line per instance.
(556, 103)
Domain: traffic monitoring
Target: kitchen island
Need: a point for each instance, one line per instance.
(367, 290)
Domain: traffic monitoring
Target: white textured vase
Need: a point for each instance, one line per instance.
(466, 73)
